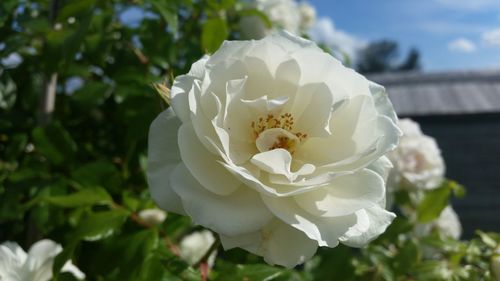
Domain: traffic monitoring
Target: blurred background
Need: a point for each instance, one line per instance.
(440, 62)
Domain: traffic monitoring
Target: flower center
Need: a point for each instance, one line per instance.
(273, 132)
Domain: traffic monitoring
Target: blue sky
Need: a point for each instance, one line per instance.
(450, 34)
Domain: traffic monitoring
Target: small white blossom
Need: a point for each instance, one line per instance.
(36, 265)
(283, 14)
(307, 16)
(417, 160)
(195, 245)
(153, 216)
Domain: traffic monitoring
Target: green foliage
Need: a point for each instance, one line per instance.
(383, 56)
(213, 33)
(248, 272)
(80, 180)
(55, 143)
(85, 197)
(433, 203)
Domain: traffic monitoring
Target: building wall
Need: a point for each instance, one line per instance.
(471, 148)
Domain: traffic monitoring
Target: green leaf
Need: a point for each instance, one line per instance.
(73, 42)
(248, 272)
(55, 143)
(431, 270)
(135, 249)
(16, 146)
(488, 239)
(87, 196)
(406, 257)
(433, 203)
(98, 173)
(214, 32)
(168, 13)
(92, 94)
(221, 4)
(257, 13)
(7, 7)
(399, 225)
(331, 264)
(459, 190)
(101, 225)
(73, 8)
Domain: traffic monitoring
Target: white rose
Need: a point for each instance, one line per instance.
(36, 265)
(417, 160)
(153, 216)
(277, 147)
(447, 223)
(284, 14)
(195, 245)
(307, 16)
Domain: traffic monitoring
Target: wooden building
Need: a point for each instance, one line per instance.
(462, 111)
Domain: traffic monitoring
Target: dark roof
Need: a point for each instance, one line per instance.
(419, 94)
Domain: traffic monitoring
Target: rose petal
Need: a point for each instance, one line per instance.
(312, 110)
(41, 258)
(163, 156)
(182, 85)
(203, 165)
(344, 195)
(240, 212)
(71, 268)
(326, 231)
(10, 261)
(382, 167)
(371, 223)
(382, 102)
(278, 162)
(274, 243)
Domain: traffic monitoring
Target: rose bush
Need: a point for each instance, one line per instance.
(277, 147)
(78, 178)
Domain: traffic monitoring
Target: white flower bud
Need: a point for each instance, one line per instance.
(195, 245)
(307, 16)
(153, 216)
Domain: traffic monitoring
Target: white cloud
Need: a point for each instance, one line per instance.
(462, 45)
(451, 27)
(469, 5)
(491, 37)
(324, 31)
